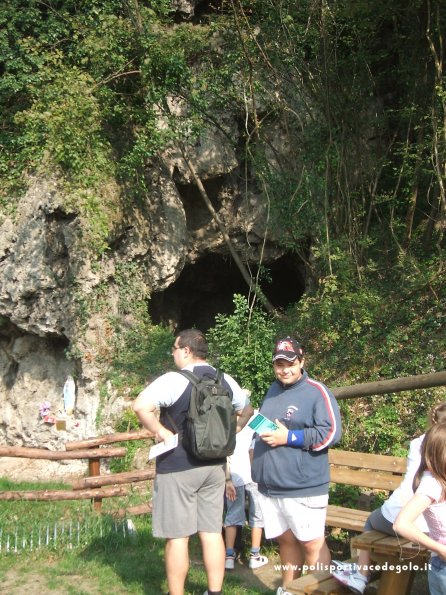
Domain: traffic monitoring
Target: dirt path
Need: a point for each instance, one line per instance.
(266, 578)
(17, 582)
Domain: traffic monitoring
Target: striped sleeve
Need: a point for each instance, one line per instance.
(327, 420)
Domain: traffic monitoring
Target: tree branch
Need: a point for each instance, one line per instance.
(240, 265)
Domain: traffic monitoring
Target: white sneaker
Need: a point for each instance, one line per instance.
(282, 591)
(257, 561)
(344, 566)
(354, 580)
(230, 562)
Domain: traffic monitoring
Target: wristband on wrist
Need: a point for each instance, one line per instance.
(295, 438)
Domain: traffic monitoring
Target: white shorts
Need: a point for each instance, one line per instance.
(304, 516)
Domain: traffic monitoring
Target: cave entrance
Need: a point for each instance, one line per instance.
(206, 288)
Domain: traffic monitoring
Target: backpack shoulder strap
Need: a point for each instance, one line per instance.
(192, 378)
(189, 375)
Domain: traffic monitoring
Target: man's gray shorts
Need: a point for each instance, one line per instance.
(187, 502)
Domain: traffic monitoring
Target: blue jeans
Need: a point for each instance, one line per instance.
(436, 576)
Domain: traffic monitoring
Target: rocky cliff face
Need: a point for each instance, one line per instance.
(57, 297)
(45, 273)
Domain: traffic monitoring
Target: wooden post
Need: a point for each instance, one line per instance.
(94, 469)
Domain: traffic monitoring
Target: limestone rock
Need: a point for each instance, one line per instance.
(46, 274)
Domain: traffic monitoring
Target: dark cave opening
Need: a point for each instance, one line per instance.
(206, 288)
(197, 214)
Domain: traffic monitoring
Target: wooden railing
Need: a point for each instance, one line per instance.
(90, 487)
(394, 385)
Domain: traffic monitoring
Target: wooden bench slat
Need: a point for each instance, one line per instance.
(367, 538)
(363, 460)
(346, 518)
(347, 524)
(367, 479)
(390, 546)
(317, 583)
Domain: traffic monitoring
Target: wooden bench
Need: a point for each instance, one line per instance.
(377, 472)
(396, 562)
(318, 583)
(399, 559)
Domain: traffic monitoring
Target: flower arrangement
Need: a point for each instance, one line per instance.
(45, 413)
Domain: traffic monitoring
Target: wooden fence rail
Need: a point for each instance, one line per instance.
(113, 479)
(109, 439)
(54, 495)
(395, 385)
(61, 455)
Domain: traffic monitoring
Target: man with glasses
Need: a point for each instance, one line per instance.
(290, 463)
(188, 493)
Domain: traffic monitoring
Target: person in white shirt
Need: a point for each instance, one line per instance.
(430, 500)
(356, 576)
(188, 492)
(239, 484)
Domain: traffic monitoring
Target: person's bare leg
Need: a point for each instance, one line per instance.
(213, 548)
(364, 560)
(317, 554)
(177, 564)
(230, 536)
(256, 536)
(292, 557)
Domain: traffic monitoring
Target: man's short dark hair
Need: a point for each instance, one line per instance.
(195, 340)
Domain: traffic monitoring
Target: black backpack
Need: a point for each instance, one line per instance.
(211, 420)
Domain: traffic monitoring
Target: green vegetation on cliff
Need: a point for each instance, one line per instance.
(343, 111)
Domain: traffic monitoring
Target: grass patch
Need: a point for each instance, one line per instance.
(107, 565)
(27, 526)
(112, 562)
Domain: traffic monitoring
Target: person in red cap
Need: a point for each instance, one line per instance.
(290, 463)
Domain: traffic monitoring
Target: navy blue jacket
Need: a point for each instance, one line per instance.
(302, 469)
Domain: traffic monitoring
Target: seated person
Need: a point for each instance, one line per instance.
(356, 576)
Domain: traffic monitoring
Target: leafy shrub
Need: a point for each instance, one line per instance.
(127, 423)
(241, 344)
